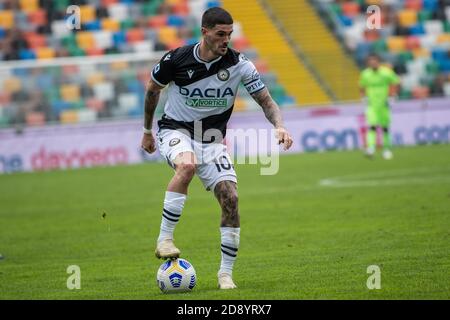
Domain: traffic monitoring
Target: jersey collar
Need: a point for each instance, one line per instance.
(206, 63)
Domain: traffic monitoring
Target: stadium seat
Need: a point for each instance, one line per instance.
(59, 29)
(118, 11)
(29, 5)
(38, 17)
(5, 98)
(407, 18)
(430, 5)
(12, 85)
(143, 46)
(119, 65)
(106, 3)
(95, 52)
(434, 27)
(119, 38)
(396, 43)
(417, 29)
(181, 8)
(104, 91)
(86, 115)
(175, 21)
(135, 35)
(150, 8)
(25, 54)
(103, 39)
(128, 101)
(68, 116)
(421, 53)
(58, 106)
(88, 13)
(157, 21)
(107, 26)
(110, 24)
(415, 5)
(45, 53)
(95, 78)
(35, 40)
(94, 25)
(35, 118)
(168, 35)
(95, 104)
(428, 41)
(6, 19)
(350, 9)
(443, 38)
(70, 92)
(412, 43)
(85, 39)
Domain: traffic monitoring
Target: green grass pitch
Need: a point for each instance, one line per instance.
(309, 232)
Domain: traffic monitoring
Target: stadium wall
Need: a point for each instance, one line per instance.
(315, 129)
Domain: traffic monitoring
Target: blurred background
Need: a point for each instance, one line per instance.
(309, 53)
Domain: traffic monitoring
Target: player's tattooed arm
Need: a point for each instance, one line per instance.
(273, 114)
(151, 101)
(269, 106)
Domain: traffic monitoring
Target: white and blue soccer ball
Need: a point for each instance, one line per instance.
(176, 276)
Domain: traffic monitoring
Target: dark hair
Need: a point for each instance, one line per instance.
(216, 15)
(374, 56)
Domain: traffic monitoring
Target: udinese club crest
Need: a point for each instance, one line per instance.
(174, 142)
(223, 74)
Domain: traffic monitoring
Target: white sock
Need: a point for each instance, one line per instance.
(229, 246)
(173, 206)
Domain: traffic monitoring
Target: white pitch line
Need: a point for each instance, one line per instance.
(424, 175)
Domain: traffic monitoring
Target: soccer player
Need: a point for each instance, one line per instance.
(379, 87)
(202, 82)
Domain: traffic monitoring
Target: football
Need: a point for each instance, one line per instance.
(176, 276)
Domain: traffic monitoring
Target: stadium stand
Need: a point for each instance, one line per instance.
(334, 67)
(76, 89)
(414, 39)
(274, 48)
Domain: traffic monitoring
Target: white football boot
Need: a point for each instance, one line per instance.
(225, 281)
(369, 152)
(387, 154)
(166, 250)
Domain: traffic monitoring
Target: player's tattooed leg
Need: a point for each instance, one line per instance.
(226, 194)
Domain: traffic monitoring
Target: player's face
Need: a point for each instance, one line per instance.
(218, 38)
(373, 63)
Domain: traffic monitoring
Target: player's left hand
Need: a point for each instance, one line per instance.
(283, 137)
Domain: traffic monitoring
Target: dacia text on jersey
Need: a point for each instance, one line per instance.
(210, 97)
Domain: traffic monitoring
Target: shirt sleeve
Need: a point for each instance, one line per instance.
(393, 77)
(250, 76)
(162, 73)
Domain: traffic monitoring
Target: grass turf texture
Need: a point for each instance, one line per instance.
(299, 239)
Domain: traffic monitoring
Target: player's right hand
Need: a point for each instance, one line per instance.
(148, 143)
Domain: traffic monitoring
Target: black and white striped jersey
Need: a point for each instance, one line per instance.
(202, 91)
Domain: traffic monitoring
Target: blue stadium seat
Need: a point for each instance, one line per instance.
(417, 29)
(93, 25)
(175, 21)
(27, 54)
(430, 5)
